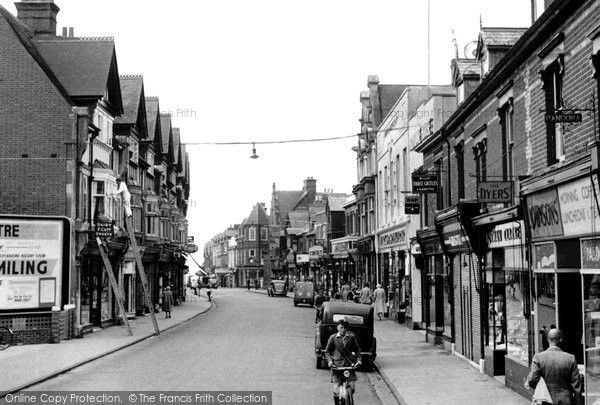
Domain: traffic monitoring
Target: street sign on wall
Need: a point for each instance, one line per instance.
(425, 183)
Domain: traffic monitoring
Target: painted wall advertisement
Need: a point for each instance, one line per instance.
(32, 262)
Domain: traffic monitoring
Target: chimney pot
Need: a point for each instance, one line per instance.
(64, 31)
(71, 32)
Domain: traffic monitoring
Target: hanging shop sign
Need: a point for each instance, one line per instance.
(189, 248)
(34, 262)
(590, 254)
(559, 117)
(454, 238)
(578, 208)
(302, 258)
(504, 235)
(412, 205)
(543, 214)
(104, 229)
(393, 238)
(495, 192)
(315, 253)
(425, 183)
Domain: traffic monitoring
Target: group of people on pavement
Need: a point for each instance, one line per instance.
(366, 296)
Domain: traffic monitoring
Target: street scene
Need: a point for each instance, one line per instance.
(327, 202)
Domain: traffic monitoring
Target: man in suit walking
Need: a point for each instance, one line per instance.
(559, 370)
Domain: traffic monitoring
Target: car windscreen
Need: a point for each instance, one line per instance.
(352, 319)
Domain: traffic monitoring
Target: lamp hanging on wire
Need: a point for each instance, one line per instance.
(254, 155)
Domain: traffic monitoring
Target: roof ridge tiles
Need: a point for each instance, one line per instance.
(132, 75)
(151, 97)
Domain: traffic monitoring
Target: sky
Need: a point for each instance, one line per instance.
(273, 70)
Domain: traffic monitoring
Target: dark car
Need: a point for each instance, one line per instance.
(277, 287)
(304, 293)
(360, 317)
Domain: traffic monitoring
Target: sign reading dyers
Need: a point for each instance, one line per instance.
(33, 261)
(495, 192)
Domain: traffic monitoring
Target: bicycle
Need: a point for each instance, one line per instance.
(6, 337)
(346, 395)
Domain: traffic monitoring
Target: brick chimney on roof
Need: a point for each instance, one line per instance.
(38, 15)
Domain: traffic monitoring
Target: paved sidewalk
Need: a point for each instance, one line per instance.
(25, 365)
(420, 373)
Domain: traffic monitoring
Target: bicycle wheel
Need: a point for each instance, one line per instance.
(6, 337)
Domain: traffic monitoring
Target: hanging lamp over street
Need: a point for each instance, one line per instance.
(254, 155)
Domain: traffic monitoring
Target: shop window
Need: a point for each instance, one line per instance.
(545, 296)
(496, 299)
(591, 304)
(517, 287)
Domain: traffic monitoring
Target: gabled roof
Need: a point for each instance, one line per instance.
(25, 36)
(183, 160)
(152, 117)
(337, 202)
(134, 103)
(166, 133)
(500, 36)
(176, 151)
(388, 95)
(87, 67)
(287, 200)
(258, 216)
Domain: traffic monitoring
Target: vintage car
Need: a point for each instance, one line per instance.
(304, 293)
(360, 317)
(277, 287)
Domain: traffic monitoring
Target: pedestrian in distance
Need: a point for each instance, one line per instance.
(319, 300)
(366, 295)
(248, 284)
(256, 282)
(342, 350)
(345, 290)
(168, 302)
(559, 371)
(379, 295)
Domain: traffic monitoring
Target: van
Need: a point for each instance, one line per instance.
(304, 293)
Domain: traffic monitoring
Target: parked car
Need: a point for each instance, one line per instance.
(360, 318)
(304, 293)
(277, 287)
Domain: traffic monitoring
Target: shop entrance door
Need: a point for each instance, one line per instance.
(570, 313)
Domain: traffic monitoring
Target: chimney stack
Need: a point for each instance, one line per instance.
(38, 15)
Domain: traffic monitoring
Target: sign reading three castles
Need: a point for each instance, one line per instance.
(34, 261)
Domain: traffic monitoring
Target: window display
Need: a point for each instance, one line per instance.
(591, 304)
(517, 287)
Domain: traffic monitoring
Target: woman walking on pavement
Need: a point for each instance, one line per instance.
(379, 295)
(167, 302)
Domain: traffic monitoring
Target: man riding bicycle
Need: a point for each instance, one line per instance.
(342, 350)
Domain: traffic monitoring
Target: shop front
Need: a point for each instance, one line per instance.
(366, 265)
(563, 226)
(342, 262)
(459, 283)
(505, 292)
(432, 283)
(392, 249)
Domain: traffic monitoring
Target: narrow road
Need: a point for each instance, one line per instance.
(248, 341)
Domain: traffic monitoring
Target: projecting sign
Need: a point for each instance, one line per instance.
(412, 204)
(495, 192)
(425, 183)
(560, 117)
